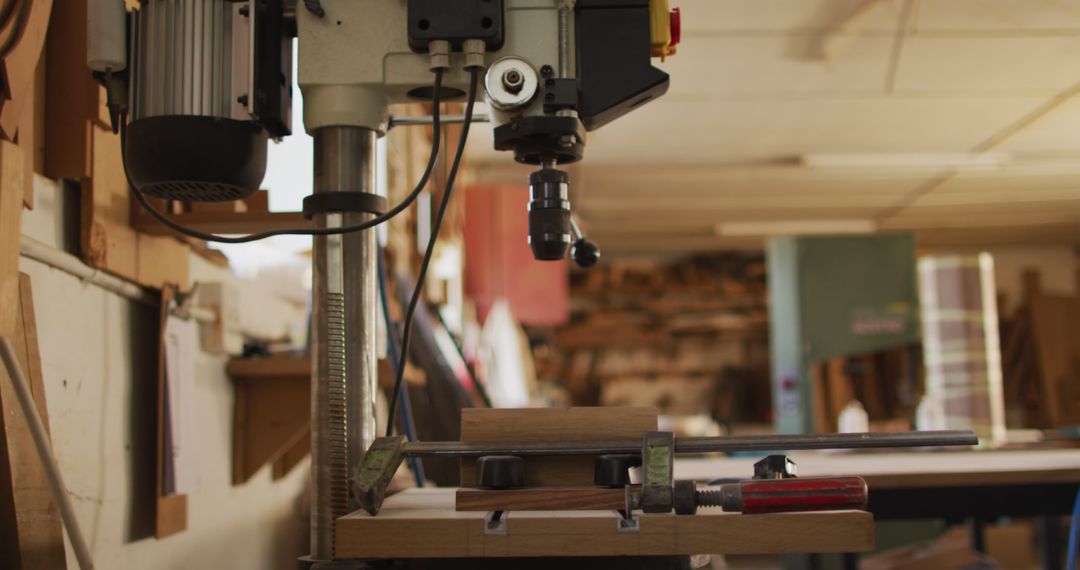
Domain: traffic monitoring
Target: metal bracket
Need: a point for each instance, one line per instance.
(630, 523)
(658, 467)
(495, 523)
(377, 467)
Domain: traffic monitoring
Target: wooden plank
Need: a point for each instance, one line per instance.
(107, 241)
(31, 134)
(70, 94)
(272, 414)
(11, 205)
(31, 535)
(422, 523)
(161, 261)
(268, 367)
(545, 424)
(912, 469)
(216, 221)
(20, 66)
(541, 499)
(171, 515)
(1055, 326)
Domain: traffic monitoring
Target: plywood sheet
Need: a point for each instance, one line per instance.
(546, 424)
(422, 523)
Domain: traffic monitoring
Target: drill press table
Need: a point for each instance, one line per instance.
(422, 523)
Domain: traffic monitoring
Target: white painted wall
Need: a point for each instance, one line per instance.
(98, 369)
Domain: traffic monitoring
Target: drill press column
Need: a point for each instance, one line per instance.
(344, 312)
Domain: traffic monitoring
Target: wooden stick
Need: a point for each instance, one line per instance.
(541, 499)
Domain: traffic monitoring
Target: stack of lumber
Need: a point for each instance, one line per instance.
(885, 383)
(681, 332)
(1040, 348)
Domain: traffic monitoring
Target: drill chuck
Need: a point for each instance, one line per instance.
(549, 214)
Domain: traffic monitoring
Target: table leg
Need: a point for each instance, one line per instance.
(977, 534)
(1050, 542)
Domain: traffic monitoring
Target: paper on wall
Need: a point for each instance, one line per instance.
(181, 345)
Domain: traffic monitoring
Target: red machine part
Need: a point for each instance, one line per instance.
(802, 494)
(675, 21)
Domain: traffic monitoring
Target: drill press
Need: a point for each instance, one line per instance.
(207, 82)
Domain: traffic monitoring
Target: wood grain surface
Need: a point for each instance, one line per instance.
(541, 499)
(422, 523)
(545, 424)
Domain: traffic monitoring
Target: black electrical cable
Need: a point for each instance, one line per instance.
(474, 75)
(381, 218)
(23, 16)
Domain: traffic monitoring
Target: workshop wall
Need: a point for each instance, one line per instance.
(97, 352)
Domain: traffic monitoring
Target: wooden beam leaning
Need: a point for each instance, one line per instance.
(11, 205)
(31, 534)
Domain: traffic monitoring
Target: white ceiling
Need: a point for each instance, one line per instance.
(757, 84)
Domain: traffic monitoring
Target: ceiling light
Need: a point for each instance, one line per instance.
(795, 227)
(907, 160)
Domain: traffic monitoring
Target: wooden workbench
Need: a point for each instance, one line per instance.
(422, 523)
(912, 469)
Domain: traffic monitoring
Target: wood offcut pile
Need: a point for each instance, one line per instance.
(1040, 353)
(687, 336)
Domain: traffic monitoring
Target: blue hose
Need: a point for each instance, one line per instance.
(393, 355)
(1074, 531)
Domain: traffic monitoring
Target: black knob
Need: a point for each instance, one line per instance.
(614, 470)
(585, 253)
(775, 467)
(684, 497)
(500, 472)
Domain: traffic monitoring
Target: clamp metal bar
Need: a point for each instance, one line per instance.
(697, 444)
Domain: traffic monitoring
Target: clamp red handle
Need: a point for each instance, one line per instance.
(803, 494)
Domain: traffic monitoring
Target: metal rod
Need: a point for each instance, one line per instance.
(418, 120)
(697, 444)
(565, 6)
(344, 313)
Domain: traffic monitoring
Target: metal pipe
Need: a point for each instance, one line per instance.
(59, 259)
(344, 312)
(41, 252)
(697, 444)
(418, 120)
